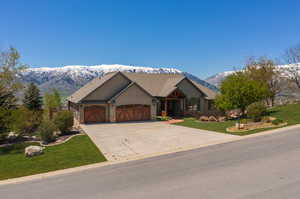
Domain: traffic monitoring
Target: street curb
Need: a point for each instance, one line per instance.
(102, 164)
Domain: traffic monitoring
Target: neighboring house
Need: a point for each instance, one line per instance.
(119, 96)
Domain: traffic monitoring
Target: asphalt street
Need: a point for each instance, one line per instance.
(260, 167)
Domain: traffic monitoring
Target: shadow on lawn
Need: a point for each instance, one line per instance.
(270, 112)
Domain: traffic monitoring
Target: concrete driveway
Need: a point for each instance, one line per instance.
(121, 141)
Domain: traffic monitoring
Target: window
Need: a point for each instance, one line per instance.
(210, 104)
(193, 104)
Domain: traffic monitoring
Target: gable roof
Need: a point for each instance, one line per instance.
(210, 94)
(155, 84)
(90, 87)
(158, 85)
(126, 88)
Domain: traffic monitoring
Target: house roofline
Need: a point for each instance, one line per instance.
(192, 84)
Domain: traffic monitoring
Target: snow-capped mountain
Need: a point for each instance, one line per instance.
(219, 77)
(68, 79)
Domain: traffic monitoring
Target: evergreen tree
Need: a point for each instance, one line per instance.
(57, 99)
(32, 98)
(7, 98)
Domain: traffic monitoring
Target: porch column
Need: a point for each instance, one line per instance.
(166, 105)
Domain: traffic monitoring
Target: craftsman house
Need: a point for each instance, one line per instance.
(120, 96)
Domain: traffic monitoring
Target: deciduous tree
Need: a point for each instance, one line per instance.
(264, 70)
(238, 91)
(53, 102)
(10, 68)
(292, 57)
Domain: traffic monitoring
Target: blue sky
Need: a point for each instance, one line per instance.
(201, 37)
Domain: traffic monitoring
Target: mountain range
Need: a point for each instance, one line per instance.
(219, 77)
(288, 89)
(68, 79)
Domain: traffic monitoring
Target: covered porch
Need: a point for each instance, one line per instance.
(173, 105)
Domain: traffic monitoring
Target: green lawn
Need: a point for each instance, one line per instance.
(78, 151)
(288, 113)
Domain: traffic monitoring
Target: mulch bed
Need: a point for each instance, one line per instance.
(253, 126)
(174, 121)
(59, 140)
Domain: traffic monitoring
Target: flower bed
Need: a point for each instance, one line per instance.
(253, 126)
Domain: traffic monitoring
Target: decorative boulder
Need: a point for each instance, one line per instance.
(212, 119)
(12, 136)
(57, 133)
(222, 119)
(239, 125)
(33, 151)
(204, 118)
(34, 137)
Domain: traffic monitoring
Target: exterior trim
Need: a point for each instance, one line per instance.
(193, 85)
(126, 88)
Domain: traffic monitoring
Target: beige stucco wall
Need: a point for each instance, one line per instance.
(112, 112)
(135, 95)
(188, 89)
(75, 109)
(212, 111)
(109, 88)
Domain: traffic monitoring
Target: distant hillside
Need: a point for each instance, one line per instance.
(218, 78)
(287, 90)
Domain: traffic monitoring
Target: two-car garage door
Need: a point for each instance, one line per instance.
(97, 114)
(132, 113)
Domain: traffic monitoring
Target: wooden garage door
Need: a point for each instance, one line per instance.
(93, 114)
(132, 113)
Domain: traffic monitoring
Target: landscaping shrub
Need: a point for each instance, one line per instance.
(5, 122)
(46, 131)
(63, 121)
(163, 118)
(267, 119)
(277, 121)
(244, 121)
(26, 121)
(256, 111)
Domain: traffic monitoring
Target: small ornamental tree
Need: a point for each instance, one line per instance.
(46, 131)
(256, 111)
(7, 98)
(63, 121)
(32, 98)
(5, 122)
(238, 91)
(53, 102)
(26, 121)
